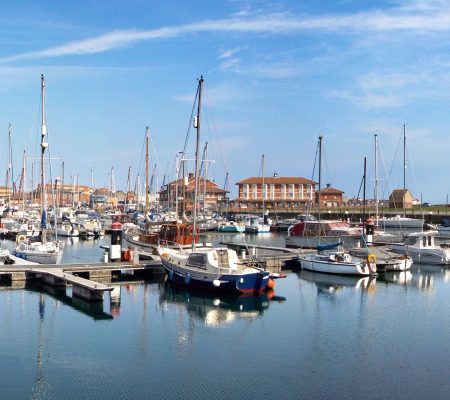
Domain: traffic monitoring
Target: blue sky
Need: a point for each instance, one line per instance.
(277, 75)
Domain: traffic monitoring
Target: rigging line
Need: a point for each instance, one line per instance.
(190, 120)
(208, 110)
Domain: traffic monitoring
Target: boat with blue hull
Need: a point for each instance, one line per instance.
(216, 269)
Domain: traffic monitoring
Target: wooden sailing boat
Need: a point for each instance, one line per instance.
(205, 267)
(43, 252)
(144, 241)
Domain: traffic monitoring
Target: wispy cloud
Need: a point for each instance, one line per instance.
(418, 17)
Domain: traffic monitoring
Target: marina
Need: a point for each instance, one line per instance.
(224, 200)
(330, 323)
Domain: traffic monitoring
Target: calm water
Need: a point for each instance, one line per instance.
(320, 337)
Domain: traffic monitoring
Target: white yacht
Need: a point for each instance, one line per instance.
(422, 248)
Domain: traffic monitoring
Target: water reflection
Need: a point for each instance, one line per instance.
(333, 285)
(213, 309)
(92, 310)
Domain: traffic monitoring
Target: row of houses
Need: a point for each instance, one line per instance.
(254, 193)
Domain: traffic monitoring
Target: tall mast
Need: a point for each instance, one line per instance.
(62, 185)
(404, 168)
(205, 173)
(127, 205)
(92, 187)
(197, 149)
(320, 178)
(44, 145)
(376, 179)
(24, 179)
(10, 173)
(146, 172)
(364, 191)
(263, 191)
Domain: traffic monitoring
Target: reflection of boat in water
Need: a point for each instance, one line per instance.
(215, 309)
(329, 283)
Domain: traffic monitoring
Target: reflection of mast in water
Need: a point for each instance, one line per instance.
(143, 340)
(40, 386)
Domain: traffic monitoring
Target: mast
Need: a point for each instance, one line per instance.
(197, 149)
(320, 179)
(44, 145)
(263, 191)
(127, 205)
(9, 172)
(146, 172)
(92, 188)
(376, 179)
(205, 173)
(24, 180)
(61, 194)
(404, 168)
(364, 191)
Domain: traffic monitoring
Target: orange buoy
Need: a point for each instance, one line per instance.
(270, 293)
(270, 283)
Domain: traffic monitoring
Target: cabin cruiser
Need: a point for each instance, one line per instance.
(422, 248)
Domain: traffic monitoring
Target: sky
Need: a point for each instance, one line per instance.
(277, 74)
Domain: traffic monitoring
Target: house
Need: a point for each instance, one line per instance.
(210, 195)
(329, 197)
(401, 198)
(276, 192)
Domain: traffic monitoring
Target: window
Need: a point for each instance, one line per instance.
(254, 191)
(300, 191)
(197, 260)
(283, 191)
(272, 191)
(264, 191)
(291, 191)
(245, 190)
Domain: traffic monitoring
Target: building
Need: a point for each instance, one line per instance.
(330, 197)
(210, 196)
(401, 198)
(276, 192)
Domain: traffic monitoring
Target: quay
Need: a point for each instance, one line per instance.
(84, 278)
(271, 257)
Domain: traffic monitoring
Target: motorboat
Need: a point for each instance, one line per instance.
(399, 222)
(231, 227)
(422, 248)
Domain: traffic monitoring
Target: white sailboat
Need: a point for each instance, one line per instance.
(259, 224)
(336, 262)
(44, 252)
(401, 221)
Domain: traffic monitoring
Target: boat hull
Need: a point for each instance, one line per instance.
(311, 263)
(40, 258)
(424, 256)
(254, 282)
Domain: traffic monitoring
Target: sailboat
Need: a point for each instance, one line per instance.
(401, 221)
(254, 224)
(336, 262)
(43, 252)
(206, 267)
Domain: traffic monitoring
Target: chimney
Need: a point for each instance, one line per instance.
(191, 175)
(275, 175)
(328, 185)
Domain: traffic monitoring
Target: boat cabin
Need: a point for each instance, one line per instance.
(177, 233)
(326, 228)
(421, 240)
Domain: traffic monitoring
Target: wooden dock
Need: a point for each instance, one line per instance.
(84, 278)
(271, 257)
